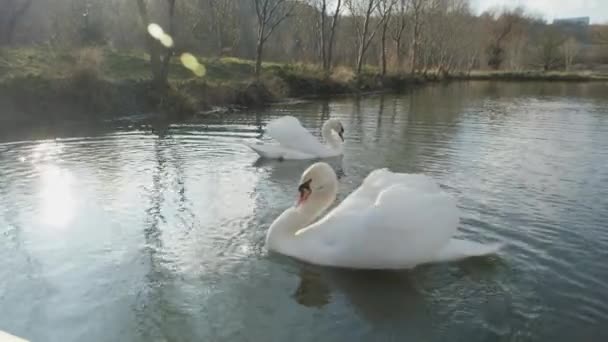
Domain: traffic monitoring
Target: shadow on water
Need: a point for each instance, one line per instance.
(325, 111)
(154, 308)
(287, 169)
(377, 295)
(379, 116)
(401, 303)
(150, 298)
(375, 290)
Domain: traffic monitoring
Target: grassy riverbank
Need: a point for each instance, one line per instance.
(531, 75)
(50, 85)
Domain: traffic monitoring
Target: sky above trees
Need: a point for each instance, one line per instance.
(597, 10)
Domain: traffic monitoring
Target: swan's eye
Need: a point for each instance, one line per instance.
(305, 186)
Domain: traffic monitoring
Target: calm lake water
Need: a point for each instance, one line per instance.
(138, 233)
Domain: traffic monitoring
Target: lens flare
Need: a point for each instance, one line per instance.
(159, 34)
(190, 62)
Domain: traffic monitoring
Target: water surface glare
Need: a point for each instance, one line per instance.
(138, 233)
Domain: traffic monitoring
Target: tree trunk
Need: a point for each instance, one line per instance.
(414, 52)
(11, 25)
(398, 36)
(360, 60)
(166, 59)
(159, 63)
(258, 57)
(269, 16)
(216, 26)
(363, 43)
(383, 45)
(398, 52)
(330, 43)
(322, 15)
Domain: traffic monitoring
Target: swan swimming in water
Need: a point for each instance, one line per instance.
(392, 221)
(295, 142)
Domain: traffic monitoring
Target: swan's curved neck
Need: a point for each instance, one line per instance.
(331, 138)
(281, 234)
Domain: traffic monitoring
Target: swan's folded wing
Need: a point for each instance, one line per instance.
(288, 132)
(381, 179)
(457, 249)
(430, 218)
(402, 229)
(273, 151)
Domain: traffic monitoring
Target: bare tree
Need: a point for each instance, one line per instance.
(10, 13)
(549, 48)
(322, 8)
(362, 11)
(399, 28)
(517, 46)
(326, 42)
(417, 7)
(570, 49)
(270, 14)
(451, 25)
(332, 37)
(500, 29)
(221, 19)
(160, 55)
(385, 9)
(466, 37)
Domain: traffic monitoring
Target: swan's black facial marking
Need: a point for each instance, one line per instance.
(305, 191)
(341, 133)
(305, 187)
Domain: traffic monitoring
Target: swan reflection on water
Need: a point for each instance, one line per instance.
(402, 300)
(378, 295)
(291, 169)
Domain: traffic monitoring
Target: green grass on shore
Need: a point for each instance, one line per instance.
(107, 82)
(101, 80)
(531, 75)
(114, 65)
(126, 65)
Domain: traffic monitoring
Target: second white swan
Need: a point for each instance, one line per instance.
(295, 142)
(392, 221)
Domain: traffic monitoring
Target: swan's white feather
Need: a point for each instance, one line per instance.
(392, 221)
(458, 249)
(294, 141)
(381, 179)
(290, 134)
(274, 151)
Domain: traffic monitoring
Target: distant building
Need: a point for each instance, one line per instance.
(577, 28)
(582, 21)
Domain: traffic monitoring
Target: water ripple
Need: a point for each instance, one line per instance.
(157, 231)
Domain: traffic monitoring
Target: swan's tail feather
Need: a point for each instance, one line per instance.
(4, 336)
(272, 151)
(265, 151)
(461, 249)
(255, 148)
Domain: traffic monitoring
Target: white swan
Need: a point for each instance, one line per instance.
(392, 221)
(295, 142)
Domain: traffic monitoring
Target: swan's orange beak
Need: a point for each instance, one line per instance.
(304, 190)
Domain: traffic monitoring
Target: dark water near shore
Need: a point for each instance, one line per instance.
(139, 233)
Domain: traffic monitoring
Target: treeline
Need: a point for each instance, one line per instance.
(413, 36)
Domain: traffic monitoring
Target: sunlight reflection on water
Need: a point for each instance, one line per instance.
(143, 234)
